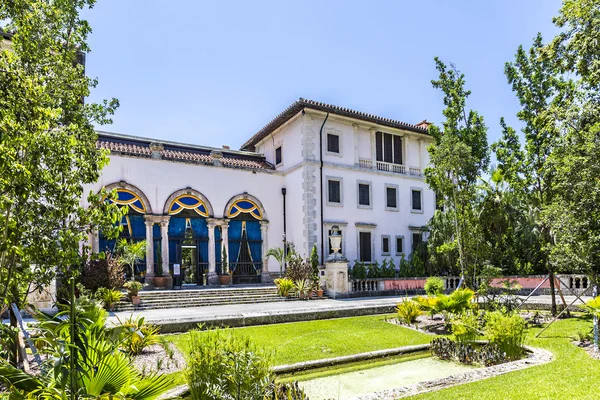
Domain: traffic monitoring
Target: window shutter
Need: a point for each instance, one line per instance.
(363, 195)
(399, 245)
(333, 143)
(386, 245)
(416, 200)
(334, 192)
(388, 153)
(379, 146)
(391, 198)
(397, 149)
(365, 246)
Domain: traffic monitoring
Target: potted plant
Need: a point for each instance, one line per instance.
(317, 287)
(109, 297)
(284, 286)
(159, 280)
(224, 276)
(302, 287)
(133, 288)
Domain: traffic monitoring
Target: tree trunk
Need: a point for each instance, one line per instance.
(13, 357)
(552, 293)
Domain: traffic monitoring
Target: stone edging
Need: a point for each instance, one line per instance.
(536, 357)
(283, 369)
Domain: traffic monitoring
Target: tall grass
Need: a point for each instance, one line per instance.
(507, 332)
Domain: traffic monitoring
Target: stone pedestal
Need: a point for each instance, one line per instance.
(335, 281)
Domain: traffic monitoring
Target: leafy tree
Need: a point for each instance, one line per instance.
(459, 156)
(574, 212)
(47, 147)
(536, 84)
(130, 253)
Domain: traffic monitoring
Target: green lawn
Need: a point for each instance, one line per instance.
(312, 340)
(573, 374)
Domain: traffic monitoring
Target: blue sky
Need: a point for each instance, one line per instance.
(213, 73)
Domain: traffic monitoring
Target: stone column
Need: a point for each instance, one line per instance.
(265, 276)
(164, 249)
(95, 241)
(225, 239)
(373, 132)
(356, 144)
(213, 278)
(149, 248)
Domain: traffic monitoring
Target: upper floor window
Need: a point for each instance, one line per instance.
(278, 159)
(334, 191)
(364, 194)
(417, 200)
(388, 148)
(333, 143)
(391, 197)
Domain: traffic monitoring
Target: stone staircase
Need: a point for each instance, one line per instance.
(157, 299)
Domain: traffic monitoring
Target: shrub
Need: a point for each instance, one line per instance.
(285, 391)
(467, 353)
(434, 286)
(374, 270)
(108, 296)
(137, 335)
(408, 311)
(358, 271)
(284, 286)
(507, 332)
(428, 304)
(465, 328)
(105, 272)
(223, 365)
(298, 269)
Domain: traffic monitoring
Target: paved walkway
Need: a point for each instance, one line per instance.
(281, 308)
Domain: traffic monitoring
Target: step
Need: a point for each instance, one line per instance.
(144, 306)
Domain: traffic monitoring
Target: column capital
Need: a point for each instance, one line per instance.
(224, 222)
(164, 220)
(212, 222)
(355, 126)
(372, 130)
(264, 223)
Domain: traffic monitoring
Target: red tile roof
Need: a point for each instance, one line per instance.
(301, 104)
(140, 147)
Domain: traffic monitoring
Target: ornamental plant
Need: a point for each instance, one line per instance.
(434, 286)
(507, 332)
(408, 311)
(284, 286)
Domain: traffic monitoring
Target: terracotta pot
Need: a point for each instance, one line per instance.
(160, 281)
(320, 293)
(135, 300)
(224, 279)
(301, 295)
(110, 307)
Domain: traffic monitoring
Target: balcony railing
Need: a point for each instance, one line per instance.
(390, 167)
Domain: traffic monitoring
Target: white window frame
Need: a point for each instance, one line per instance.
(389, 239)
(397, 187)
(401, 252)
(370, 184)
(335, 132)
(412, 208)
(341, 181)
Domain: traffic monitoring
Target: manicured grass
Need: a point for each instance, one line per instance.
(312, 340)
(573, 374)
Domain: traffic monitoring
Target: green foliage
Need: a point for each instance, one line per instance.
(434, 286)
(284, 286)
(224, 263)
(82, 360)
(408, 311)
(8, 338)
(224, 365)
(458, 157)
(105, 272)
(374, 270)
(47, 146)
(108, 296)
(507, 332)
(302, 287)
(286, 391)
(466, 328)
(133, 287)
(455, 303)
(130, 253)
(284, 257)
(358, 271)
(314, 260)
(467, 353)
(137, 335)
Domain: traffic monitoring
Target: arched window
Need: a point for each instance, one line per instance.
(245, 240)
(188, 202)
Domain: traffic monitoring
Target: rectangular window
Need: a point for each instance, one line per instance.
(416, 200)
(364, 194)
(385, 245)
(391, 197)
(365, 246)
(333, 143)
(399, 245)
(388, 148)
(278, 159)
(334, 191)
(417, 239)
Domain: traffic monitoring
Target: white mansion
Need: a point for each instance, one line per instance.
(314, 168)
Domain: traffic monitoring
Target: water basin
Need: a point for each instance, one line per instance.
(351, 384)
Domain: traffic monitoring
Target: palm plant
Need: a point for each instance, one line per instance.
(83, 360)
(281, 255)
(130, 253)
